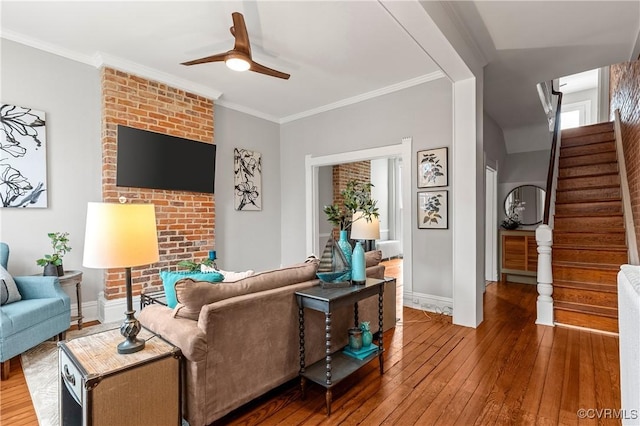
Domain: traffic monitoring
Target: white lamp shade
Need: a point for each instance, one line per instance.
(120, 235)
(361, 229)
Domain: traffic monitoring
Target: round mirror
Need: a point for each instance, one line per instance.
(525, 204)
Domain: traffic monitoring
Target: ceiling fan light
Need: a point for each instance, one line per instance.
(237, 64)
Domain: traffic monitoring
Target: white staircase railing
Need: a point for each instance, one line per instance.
(544, 232)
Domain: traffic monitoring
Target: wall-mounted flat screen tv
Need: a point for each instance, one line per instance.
(153, 160)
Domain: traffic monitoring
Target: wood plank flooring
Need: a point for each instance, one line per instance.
(507, 371)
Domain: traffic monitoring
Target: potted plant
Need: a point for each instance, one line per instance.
(52, 263)
(192, 266)
(357, 197)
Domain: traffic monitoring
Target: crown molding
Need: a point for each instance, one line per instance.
(246, 110)
(365, 96)
(101, 59)
(47, 47)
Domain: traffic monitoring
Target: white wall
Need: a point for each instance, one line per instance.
(380, 192)
(527, 138)
(423, 112)
(69, 93)
(494, 147)
(247, 239)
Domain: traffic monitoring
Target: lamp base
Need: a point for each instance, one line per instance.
(130, 346)
(130, 329)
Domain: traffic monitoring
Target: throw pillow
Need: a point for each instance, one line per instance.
(192, 296)
(372, 258)
(8, 289)
(229, 276)
(170, 278)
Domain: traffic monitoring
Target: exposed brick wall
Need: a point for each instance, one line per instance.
(185, 220)
(343, 173)
(625, 96)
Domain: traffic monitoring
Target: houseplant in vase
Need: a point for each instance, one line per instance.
(52, 263)
(357, 197)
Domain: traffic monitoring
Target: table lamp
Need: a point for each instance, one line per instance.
(362, 228)
(122, 236)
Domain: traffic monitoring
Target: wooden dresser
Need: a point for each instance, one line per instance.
(519, 256)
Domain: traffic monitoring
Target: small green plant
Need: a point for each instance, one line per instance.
(192, 266)
(60, 245)
(357, 197)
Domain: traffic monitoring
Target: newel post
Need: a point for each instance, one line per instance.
(544, 238)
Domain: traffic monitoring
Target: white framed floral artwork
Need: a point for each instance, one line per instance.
(23, 157)
(433, 210)
(247, 169)
(432, 168)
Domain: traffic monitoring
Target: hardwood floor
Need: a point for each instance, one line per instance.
(507, 371)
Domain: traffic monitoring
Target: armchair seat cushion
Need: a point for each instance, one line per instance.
(22, 315)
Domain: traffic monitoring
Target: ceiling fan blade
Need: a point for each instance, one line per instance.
(256, 67)
(220, 57)
(239, 31)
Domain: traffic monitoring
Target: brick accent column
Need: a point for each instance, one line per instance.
(186, 220)
(625, 96)
(343, 173)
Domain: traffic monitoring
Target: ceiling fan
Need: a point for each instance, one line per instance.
(239, 58)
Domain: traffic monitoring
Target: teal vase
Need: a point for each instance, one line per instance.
(358, 270)
(345, 247)
(367, 337)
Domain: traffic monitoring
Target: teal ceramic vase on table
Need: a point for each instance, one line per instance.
(345, 247)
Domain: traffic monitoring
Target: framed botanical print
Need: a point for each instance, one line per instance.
(433, 210)
(432, 168)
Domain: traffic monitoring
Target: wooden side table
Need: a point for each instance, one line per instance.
(74, 278)
(336, 366)
(98, 386)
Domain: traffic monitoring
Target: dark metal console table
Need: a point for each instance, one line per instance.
(336, 366)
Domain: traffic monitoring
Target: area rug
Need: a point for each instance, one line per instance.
(40, 366)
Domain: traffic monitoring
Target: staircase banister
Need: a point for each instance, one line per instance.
(555, 151)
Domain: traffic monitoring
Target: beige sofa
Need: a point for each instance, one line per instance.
(241, 339)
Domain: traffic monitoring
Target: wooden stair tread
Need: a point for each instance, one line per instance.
(590, 286)
(588, 159)
(591, 248)
(588, 170)
(588, 309)
(594, 148)
(582, 265)
(588, 130)
(591, 138)
(590, 214)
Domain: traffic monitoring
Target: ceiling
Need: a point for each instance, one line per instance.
(336, 52)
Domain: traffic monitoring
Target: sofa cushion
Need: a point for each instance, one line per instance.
(8, 289)
(169, 279)
(372, 258)
(193, 295)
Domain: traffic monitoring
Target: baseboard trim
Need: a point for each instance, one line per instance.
(428, 302)
(114, 309)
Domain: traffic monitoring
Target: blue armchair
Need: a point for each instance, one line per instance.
(43, 312)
